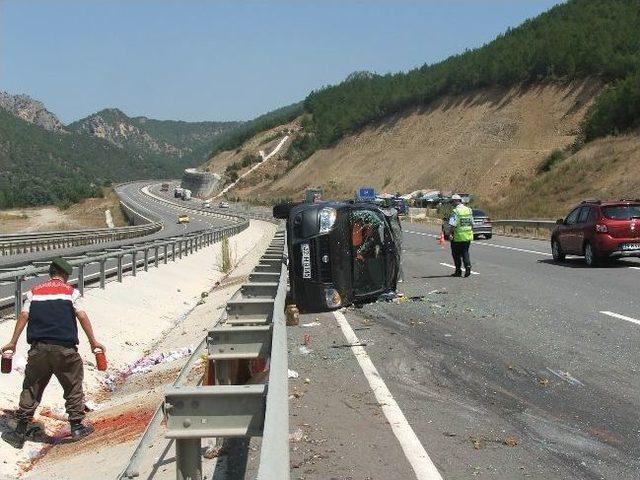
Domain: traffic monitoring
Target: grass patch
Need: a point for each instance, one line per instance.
(552, 160)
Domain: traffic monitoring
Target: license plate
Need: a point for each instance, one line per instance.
(631, 246)
(306, 260)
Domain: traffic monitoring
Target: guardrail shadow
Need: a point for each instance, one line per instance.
(578, 262)
(233, 465)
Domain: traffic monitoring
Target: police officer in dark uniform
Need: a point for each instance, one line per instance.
(50, 313)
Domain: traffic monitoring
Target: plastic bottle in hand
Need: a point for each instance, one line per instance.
(101, 359)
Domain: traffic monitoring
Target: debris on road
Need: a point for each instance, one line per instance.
(292, 374)
(311, 324)
(543, 381)
(477, 443)
(304, 350)
(145, 363)
(297, 435)
(511, 441)
(566, 376)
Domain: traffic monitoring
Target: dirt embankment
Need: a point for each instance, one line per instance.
(90, 213)
(489, 143)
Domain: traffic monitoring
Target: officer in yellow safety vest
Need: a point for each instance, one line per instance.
(461, 222)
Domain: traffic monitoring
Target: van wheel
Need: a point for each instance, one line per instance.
(488, 236)
(556, 251)
(590, 257)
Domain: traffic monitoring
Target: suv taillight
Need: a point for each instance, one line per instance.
(601, 228)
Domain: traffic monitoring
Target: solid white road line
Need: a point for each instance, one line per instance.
(454, 267)
(621, 317)
(413, 449)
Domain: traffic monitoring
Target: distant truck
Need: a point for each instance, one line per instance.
(164, 187)
(177, 193)
(206, 204)
(186, 194)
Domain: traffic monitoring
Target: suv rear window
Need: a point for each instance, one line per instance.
(622, 212)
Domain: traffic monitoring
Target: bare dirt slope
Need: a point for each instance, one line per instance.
(89, 213)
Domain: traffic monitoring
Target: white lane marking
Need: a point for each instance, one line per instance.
(635, 268)
(411, 446)
(485, 244)
(566, 376)
(454, 267)
(621, 317)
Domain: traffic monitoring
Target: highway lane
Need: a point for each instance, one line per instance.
(146, 205)
(520, 350)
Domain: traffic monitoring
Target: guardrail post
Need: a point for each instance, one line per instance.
(119, 269)
(188, 459)
(134, 263)
(18, 295)
(191, 246)
(173, 251)
(155, 257)
(81, 279)
(146, 259)
(102, 273)
(180, 249)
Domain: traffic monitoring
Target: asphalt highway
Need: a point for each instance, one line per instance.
(134, 194)
(528, 369)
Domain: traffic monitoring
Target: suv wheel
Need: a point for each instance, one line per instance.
(590, 256)
(556, 251)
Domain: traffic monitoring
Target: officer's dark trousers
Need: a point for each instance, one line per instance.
(45, 360)
(460, 253)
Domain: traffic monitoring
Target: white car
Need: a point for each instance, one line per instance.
(223, 205)
(206, 204)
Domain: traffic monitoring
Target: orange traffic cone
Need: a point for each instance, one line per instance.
(441, 239)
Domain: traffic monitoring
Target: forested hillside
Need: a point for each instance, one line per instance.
(577, 40)
(39, 167)
(184, 143)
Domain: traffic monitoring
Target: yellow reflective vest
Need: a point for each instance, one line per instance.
(463, 228)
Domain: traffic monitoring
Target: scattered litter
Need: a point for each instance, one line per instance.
(511, 441)
(447, 335)
(566, 377)
(292, 374)
(449, 434)
(307, 339)
(348, 345)
(477, 443)
(145, 363)
(417, 298)
(108, 382)
(204, 294)
(311, 324)
(543, 381)
(92, 406)
(213, 451)
(297, 435)
(438, 292)
(304, 350)
(307, 380)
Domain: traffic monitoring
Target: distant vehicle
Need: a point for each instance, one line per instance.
(313, 195)
(598, 230)
(206, 204)
(401, 205)
(183, 219)
(482, 225)
(186, 194)
(340, 253)
(177, 192)
(164, 187)
(223, 205)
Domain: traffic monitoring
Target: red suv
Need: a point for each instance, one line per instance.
(598, 230)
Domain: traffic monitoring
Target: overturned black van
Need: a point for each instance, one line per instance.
(340, 253)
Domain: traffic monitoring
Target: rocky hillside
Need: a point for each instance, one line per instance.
(31, 111)
(184, 142)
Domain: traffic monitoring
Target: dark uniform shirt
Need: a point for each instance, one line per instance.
(52, 310)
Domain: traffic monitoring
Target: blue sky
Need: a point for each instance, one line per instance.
(225, 60)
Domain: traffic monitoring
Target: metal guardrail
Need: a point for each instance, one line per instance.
(539, 228)
(252, 331)
(141, 255)
(13, 244)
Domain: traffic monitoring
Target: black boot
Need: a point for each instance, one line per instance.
(457, 273)
(79, 430)
(17, 437)
(467, 272)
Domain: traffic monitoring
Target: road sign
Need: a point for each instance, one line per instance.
(366, 193)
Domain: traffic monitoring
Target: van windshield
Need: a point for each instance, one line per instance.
(367, 242)
(622, 212)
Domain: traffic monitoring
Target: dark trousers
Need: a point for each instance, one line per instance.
(43, 361)
(460, 253)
